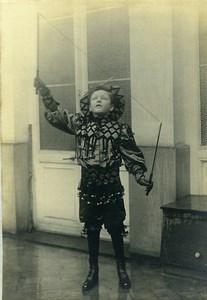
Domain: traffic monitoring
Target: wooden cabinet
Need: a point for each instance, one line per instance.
(184, 233)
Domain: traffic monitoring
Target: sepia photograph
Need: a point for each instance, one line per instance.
(103, 150)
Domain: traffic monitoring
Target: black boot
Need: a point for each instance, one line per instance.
(93, 235)
(124, 280)
(118, 245)
(91, 279)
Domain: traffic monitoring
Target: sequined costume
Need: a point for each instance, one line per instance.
(101, 146)
(102, 143)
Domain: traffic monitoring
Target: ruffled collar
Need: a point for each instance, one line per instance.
(100, 120)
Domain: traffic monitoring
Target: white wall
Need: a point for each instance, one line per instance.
(165, 79)
(152, 86)
(186, 88)
(18, 67)
(151, 71)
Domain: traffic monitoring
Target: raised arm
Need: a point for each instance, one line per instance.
(54, 114)
(47, 99)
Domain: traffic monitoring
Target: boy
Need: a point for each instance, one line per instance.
(101, 144)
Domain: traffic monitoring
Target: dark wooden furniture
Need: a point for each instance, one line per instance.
(184, 233)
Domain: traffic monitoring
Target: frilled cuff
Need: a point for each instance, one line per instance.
(138, 176)
(48, 99)
(50, 103)
(136, 171)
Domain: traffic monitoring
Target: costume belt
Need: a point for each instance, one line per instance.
(99, 200)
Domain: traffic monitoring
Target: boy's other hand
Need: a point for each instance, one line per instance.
(143, 181)
(39, 83)
(41, 87)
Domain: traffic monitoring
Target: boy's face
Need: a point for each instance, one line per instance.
(100, 103)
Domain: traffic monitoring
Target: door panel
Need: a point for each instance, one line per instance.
(59, 197)
(57, 200)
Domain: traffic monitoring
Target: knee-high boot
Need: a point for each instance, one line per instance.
(118, 245)
(93, 248)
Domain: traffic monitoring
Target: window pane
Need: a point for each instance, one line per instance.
(108, 44)
(203, 72)
(203, 97)
(50, 137)
(57, 69)
(108, 50)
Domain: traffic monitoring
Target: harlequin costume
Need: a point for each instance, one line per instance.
(102, 143)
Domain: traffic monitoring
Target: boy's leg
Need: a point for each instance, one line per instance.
(93, 236)
(118, 245)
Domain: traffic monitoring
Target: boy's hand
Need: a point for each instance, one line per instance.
(40, 86)
(145, 182)
(39, 83)
(149, 187)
